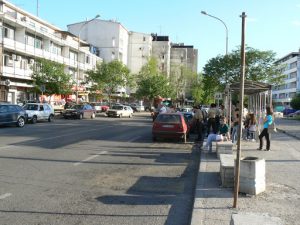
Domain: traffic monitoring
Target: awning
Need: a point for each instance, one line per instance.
(251, 87)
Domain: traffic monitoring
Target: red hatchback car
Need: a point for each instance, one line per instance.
(170, 125)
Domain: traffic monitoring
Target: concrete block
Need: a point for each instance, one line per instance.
(227, 170)
(254, 218)
(252, 175)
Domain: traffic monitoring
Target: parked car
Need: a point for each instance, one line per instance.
(39, 111)
(120, 111)
(80, 111)
(12, 114)
(278, 114)
(97, 106)
(294, 114)
(170, 125)
(288, 111)
(137, 107)
(104, 107)
(186, 109)
(58, 106)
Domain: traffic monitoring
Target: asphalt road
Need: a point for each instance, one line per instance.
(102, 171)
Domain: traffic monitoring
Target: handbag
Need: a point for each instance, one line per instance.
(272, 127)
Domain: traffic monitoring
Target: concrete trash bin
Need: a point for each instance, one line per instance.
(252, 175)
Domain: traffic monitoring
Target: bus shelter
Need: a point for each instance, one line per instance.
(259, 97)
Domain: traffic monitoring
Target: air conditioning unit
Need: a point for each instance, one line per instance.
(24, 18)
(19, 58)
(14, 57)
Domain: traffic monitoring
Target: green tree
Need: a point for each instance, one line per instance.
(223, 70)
(108, 77)
(182, 79)
(51, 75)
(151, 83)
(295, 103)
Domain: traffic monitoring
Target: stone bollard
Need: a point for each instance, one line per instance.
(252, 175)
(224, 148)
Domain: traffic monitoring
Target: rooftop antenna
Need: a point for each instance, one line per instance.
(37, 8)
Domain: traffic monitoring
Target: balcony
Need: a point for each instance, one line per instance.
(17, 73)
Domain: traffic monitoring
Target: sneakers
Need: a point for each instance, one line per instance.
(259, 149)
(267, 150)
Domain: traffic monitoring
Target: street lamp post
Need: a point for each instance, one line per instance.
(80, 29)
(205, 13)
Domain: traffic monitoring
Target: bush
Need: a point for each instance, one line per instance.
(295, 103)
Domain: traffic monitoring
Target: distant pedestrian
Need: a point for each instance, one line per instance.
(198, 121)
(212, 112)
(268, 120)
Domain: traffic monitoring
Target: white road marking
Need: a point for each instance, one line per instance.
(5, 195)
(134, 139)
(90, 158)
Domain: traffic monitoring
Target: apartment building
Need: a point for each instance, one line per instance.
(161, 50)
(109, 37)
(283, 94)
(24, 38)
(139, 50)
(183, 59)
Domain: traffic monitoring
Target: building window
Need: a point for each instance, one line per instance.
(87, 59)
(293, 75)
(9, 32)
(29, 39)
(144, 38)
(38, 42)
(8, 61)
(73, 56)
(113, 56)
(293, 65)
(56, 49)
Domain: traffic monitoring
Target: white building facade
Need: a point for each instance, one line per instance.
(109, 37)
(25, 38)
(139, 51)
(283, 94)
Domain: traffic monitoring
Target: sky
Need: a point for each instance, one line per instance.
(270, 24)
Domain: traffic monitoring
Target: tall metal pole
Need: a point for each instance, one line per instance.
(205, 13)
(37, 8)
(242, 81)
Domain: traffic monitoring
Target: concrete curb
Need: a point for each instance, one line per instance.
(288, 133)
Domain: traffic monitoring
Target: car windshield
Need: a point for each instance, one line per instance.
(76, 107)
(31, 107)
(117, 107)
(167, 118)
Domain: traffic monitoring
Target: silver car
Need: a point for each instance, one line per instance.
(39, 111)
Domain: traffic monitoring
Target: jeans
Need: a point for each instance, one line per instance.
(199, 128)
(234, 133)
(210, 139)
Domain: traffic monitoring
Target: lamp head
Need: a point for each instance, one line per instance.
(97, 16)
(203, 12)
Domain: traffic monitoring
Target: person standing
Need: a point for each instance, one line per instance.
(198, 121)
(268, 120)
(212, 112)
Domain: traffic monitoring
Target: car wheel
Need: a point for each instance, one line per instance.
(34, 119)
(93, 116)
(80, 116)
(51, 118)
(21, 122)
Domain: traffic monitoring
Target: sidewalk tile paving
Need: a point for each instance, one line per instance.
(281, 200)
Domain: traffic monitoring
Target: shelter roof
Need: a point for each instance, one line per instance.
(251, 87)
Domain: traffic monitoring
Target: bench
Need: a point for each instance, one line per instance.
(227, 170)
(224, 147)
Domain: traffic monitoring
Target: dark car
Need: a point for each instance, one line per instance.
(80, 111)
(12, 114)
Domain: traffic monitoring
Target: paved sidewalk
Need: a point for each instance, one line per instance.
(213, 204)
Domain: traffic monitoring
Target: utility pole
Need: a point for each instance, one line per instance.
(242, 81)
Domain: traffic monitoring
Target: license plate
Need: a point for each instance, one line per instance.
(168, 126)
